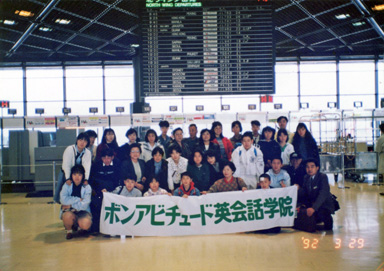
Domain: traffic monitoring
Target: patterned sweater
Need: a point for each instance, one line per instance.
(221, 185)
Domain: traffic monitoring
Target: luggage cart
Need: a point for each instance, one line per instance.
(359, 164)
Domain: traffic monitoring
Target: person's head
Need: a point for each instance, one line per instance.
(312, 167)
(277, 164)
(107, 156)
(302, 130)
(205, 136)
(92, 137)
(109, 136)
(265, 181)
(228, 169)
(255, 126)
(268, 133)
(130, 181)
(131, 134)
(135, 151)
(236, 127)
(178, 134)
(157, 154)
(217, 129)
(151, 136)
(282, 121)
(175, 152)
(82, 141)
(282, 135)
(164, 126)
(192, 130)
(197, 157)
(154, 185)
(382, 127)
(295, 159)
(247, 140)
(77, 174)
(212, 157)
(186, 179)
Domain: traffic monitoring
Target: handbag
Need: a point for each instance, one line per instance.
(303, 222)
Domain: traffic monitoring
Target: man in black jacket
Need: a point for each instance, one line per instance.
(105, 177)
(296, 170)
(316, 196)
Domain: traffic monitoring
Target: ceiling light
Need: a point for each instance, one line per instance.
(9, 22)
(342, 16)
(135, 45)
(62, 21)
(378, 7)
(358, 24)
(24, 13)
(45, 29)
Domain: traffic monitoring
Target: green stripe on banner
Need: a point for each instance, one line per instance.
(218, 213)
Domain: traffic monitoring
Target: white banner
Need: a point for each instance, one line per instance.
(227, 212)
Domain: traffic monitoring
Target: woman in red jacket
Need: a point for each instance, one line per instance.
(225, 144)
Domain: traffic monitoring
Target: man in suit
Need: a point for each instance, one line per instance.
(316, 196)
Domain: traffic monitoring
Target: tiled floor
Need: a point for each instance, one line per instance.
(32, 238)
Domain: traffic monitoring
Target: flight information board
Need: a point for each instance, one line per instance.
(207, 47)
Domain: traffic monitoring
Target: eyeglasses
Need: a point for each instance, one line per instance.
(135, 151)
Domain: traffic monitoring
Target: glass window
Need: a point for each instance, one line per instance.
(381, 80)
(44, 90)
(318, 102)
(82, 107)
(211, 104)
(160, 105)
(357, 77)
(347, 101)
(11, 82)
(84, 84)
(240, 104)
(119, 83)
(318, 78)
(286, 79)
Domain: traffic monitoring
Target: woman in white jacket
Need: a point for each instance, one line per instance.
(76, 154)
(149, 145)
(248, 160)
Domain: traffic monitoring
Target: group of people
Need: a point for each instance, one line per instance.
(193, 166)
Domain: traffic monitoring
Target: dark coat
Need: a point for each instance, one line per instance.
(200, 176)
(123, 152)
(297, 175)
(270, 149)
(161, 177)
(128, 169)
(105, 177)
(212, 146)
(316, 193)
(310, 146)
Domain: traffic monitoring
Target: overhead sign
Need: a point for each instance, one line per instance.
(4, 104)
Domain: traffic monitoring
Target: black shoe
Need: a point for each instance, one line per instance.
(69, 235)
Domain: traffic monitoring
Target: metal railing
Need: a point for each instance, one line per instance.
(52, 181)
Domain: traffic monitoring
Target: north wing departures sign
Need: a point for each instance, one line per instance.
(207, 47)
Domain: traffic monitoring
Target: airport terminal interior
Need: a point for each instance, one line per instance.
(71, 66)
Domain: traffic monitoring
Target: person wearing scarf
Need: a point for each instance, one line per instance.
(187, 187)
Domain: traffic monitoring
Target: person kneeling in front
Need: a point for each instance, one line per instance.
(75, 200)
(316, 196)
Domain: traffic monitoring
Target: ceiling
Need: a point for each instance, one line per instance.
(105, 30)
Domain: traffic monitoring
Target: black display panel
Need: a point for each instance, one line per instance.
(214, 47)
